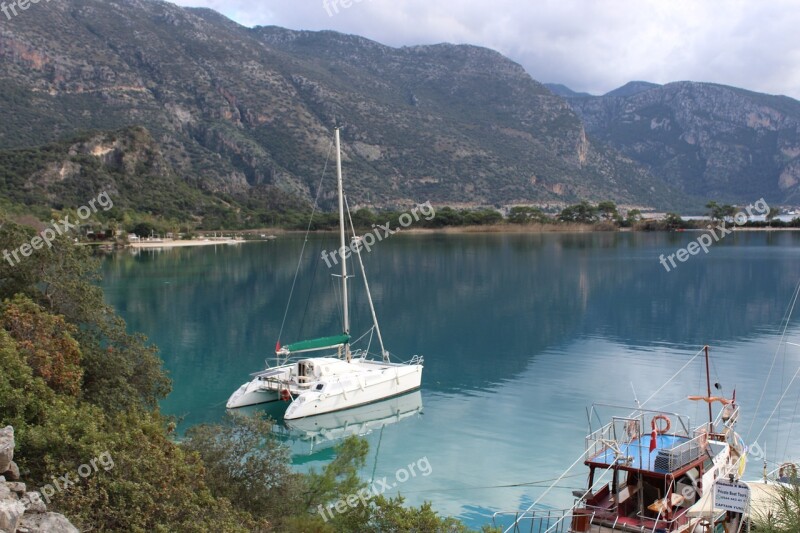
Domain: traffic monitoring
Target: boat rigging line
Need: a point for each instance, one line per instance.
(791, 426)
(670, 380)
(787, 318)
(785, 392)
(384, 353)
(305, 240)
(506, 486)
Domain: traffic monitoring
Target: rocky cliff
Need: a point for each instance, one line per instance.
(710, 141)
(232, 108)
(22, 511)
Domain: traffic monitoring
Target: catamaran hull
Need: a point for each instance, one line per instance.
(252, 393)
(355, 390)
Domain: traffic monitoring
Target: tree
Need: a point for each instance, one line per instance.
(728, 211)
(674, 221)
(720, 212)
(55, 431)
(445, 217)
(120, 370)
(773, 212)
(246, 464)
(781, 514)
(715, 211)
(47, 343)
(608, 211)
(634, 216)
(482, 217)
(527, 215)
(364, 218)
(391, 515)
(144, 230)
(582, 213)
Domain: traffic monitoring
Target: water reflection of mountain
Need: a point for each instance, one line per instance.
(479, 307)
(743, 285)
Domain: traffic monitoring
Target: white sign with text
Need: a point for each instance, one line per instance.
(731, 496)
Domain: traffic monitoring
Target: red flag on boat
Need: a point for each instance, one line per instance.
(653, 437)
(278, 346)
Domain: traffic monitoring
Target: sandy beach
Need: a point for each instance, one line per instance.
(183, 244)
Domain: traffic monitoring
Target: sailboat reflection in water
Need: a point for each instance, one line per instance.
(308, 436)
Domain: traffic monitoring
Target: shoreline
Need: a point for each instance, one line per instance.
(451, 230)
(183, 244)
(504, 228)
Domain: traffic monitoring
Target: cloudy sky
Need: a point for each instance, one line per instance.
(588, 45)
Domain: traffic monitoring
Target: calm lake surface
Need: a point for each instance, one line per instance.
(520, 333)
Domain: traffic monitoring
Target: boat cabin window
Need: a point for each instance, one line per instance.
(320, 386)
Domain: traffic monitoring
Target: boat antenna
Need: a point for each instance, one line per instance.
(342, 246)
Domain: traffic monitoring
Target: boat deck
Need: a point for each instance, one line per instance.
(638, 452)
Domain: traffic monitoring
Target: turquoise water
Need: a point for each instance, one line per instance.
(520, 333)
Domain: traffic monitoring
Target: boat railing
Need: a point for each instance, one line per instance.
(726, 418)
(598, 441)
(547, 521)
(416, 360)
(681, 423)
(679, 523)
(623, 431)
(661, 523)
(684, 453)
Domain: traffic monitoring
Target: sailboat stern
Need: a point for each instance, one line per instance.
(251, 393)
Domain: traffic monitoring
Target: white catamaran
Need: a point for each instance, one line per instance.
(340, 380)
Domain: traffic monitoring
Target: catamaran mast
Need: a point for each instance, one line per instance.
(708, 388)
(342, 247)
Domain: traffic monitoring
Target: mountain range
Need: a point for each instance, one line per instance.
(146, 98)
(706, 140)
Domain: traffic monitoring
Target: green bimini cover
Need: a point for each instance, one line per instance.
(317, 344)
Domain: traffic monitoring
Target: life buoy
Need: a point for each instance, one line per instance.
(286, 395)
(788, 471)
(657, 429)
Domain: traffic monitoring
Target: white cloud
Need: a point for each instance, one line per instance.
(591, 46)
